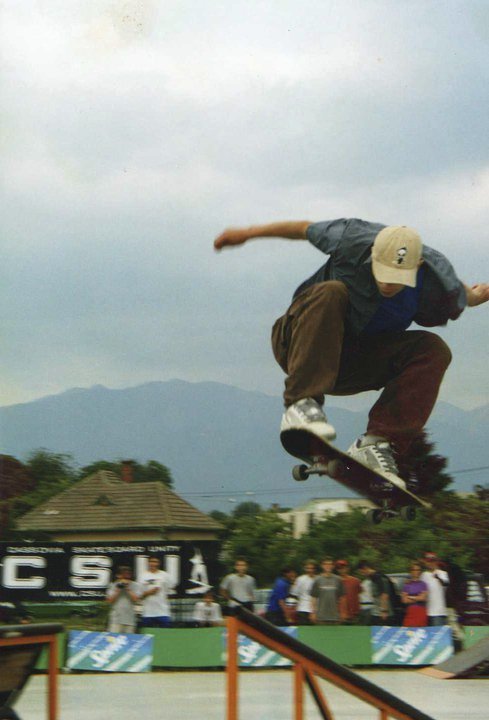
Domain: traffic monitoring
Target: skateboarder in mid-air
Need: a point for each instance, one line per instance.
(345, 331)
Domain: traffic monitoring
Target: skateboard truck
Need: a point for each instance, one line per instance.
(337, 469)
(320, 466)
(376, 515)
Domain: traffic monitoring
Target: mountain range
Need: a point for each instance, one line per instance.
(220, 442)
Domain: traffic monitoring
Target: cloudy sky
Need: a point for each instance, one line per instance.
(134, 132)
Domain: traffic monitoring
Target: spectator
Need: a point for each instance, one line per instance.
(277, 610)
(327, 596)
(302, 591)
(366, 601)
(14, 613)
(383, 611)
(238, 588)
(437, 581)
(413, 595)
(157, 586)
(291, 607)
(122, 594)
(207, 612)
(352, 592)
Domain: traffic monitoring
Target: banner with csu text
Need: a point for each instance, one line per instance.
(411, 646)
(109, 652)
(40, 571)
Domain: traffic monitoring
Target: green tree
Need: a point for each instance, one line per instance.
(99, 466)
(15, 480)
(456, 528)
(226, 521)
(152, 471)
(51, 473)
(423, 468)
(265, 540)
(461, 527)
(220, 517)
(246, 509)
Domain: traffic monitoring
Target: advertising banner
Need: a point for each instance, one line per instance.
(82, 571)
(252, 654)
(109, 652)
(411, 646)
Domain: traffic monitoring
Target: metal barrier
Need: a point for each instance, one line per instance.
(308, 665)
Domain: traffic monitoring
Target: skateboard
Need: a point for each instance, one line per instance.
(323, 458)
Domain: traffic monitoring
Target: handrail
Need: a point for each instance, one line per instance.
(43, 634)
(308, 663)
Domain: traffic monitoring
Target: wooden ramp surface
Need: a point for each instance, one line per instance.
(473, 662)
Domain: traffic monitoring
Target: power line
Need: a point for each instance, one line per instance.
(291, 490)
(466, 470)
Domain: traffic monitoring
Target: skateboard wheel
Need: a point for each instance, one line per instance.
(336, 469)
(408, 512)
(299, 472)
(374, 516)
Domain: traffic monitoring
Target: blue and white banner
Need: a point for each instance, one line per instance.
(252, 654)
(411, 646)
(109, 652)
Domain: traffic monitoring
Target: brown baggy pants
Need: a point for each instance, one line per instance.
(310, 344)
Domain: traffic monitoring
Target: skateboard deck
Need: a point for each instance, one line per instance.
(323, 458)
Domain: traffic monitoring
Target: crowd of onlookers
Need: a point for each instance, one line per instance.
(329, 594)
(333, 594)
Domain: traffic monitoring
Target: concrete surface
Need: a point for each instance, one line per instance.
(264, 695)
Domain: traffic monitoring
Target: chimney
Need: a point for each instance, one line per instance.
(127, 471)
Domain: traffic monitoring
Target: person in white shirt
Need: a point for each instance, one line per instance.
(366, 598)
(157, 586)
(301, 589)
(207, 613)
(437, 581)
(122, 595)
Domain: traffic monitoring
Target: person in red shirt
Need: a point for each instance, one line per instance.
(351, 601)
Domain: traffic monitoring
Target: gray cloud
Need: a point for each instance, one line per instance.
(136, 131)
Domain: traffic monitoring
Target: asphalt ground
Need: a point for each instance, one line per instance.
(264, 695)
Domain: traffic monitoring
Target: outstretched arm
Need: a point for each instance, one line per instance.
(477, 294)
(288, 229)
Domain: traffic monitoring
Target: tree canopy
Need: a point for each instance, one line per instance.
(152, 471)
(456, 528)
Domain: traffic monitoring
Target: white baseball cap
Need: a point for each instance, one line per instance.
(396, 254)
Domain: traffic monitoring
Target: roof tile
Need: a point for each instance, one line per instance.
(104, 502)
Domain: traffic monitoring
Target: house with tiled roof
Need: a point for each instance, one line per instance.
(105, 507)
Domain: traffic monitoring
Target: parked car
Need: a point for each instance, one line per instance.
(473, 609)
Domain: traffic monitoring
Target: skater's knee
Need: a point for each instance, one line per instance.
(437, 348)
(333, 290)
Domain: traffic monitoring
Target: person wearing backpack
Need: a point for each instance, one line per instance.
(383, 610)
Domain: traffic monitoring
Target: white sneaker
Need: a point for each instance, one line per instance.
(307, 414)
(376, 452)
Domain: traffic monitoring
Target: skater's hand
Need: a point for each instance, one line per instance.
(477, 294)
(230, 237)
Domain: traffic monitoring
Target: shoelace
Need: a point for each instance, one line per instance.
(383, 453)
(312, 413)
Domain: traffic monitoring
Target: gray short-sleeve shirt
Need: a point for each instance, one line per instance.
(240, 587)
(327, 590)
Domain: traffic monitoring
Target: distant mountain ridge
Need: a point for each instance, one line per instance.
(220, 442)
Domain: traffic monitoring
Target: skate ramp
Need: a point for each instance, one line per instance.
(309, 665)
(470, 663)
